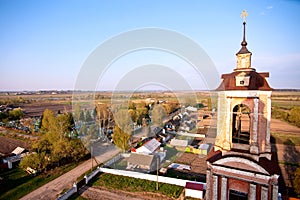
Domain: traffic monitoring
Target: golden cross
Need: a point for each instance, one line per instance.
(244, 15)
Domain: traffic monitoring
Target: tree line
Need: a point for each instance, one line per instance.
(291, 116)
(120, 119)
(55, 147)
(14, 114)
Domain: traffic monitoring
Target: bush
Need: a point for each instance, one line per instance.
(278, 113)
(294, 116)
(15, 114)
(296, 181)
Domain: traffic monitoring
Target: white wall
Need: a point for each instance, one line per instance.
(150, 177)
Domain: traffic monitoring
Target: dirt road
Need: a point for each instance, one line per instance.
(278, 126)
(52, 189)
(286, 153)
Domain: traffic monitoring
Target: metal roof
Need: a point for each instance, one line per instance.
(149, 147)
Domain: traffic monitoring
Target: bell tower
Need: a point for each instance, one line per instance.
(244, 108)
(242, 146)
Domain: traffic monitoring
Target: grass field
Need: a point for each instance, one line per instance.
(287, 139)
(286, 99)
(136, 185)
(16, 183)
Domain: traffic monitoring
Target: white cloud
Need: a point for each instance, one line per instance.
(265, 11)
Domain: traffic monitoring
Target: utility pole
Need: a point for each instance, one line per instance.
(157, 160)
(92, 155)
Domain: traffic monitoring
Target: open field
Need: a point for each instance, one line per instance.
(286, 99)
(63, 101)
(36, 109)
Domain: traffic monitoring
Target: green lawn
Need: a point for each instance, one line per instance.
(288, 139)
(16, 183)
(121, 164)
(130, 184)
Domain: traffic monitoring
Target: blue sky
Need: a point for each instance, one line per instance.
(43, 44)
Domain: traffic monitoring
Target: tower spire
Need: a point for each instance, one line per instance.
(244, 55)
(244, 43)
(244, 49)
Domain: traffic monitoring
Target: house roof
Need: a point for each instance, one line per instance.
(180, 143)
(180, 166)
(149, 147)
(7, 145)
(257, 81)
(194, 186)
(18, 150)
(140, 159)
(191, 109)
(204, 146)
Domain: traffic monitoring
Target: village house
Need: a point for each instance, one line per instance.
(147, 157)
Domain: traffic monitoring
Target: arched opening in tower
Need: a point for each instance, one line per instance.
(241, 124)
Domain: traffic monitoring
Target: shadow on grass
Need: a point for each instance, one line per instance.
(290, 163)
(17, 183)
(291, 158)
(13, 178)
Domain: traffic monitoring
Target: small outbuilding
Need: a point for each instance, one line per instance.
(178, 143)
(194, 190)
(143, 162)
(149, 147)
(204, 148)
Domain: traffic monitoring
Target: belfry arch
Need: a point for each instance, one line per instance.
(241, 124)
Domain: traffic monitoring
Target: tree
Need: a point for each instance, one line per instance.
(189, 101)
(34, 161)
(170, 107)
(55, 146)
(102, 114)
(296, 181)
(88, 116)
(122, 129)
(121, 138)
(78, 150)
(141, 113)
(3, 117)
(77, 112)
(131, 105)
(123, 120)
(48, 121)
(81, 116)
(157, 115)
(93, 130)
(133, 114)
(294, 116)
(15, 114)
(209, 104)
(83, 130)
(63, 124)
